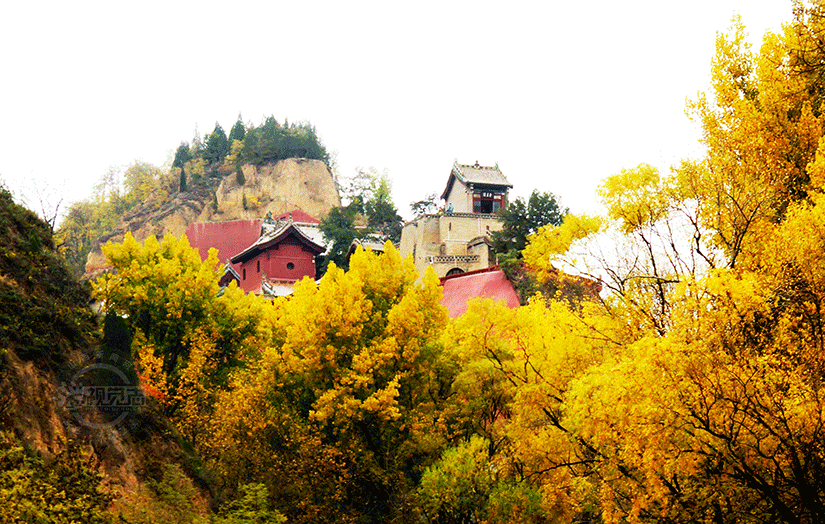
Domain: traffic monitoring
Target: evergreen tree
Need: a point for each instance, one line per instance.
(238, 130)
(521, 219)
(270, 140)
(217, 145)
(339, 230)
(381, 212)
(182, 155)
(182, 180)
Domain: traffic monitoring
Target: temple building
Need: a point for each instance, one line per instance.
(265, 257)
(457, 238)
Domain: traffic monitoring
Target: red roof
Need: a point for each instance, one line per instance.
(458, 289)
(298, 216)
(229, 238)
(232, 237)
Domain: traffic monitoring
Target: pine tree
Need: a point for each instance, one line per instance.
(182, 155)
(238, 130)
(217, 145)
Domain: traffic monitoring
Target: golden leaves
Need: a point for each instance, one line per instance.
(550, 242)
(634, 197)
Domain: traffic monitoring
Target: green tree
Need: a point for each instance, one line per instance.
(217, 145)
(381, 212)
(339, 231)
(252, 507)
(80, 229)
(455, 489)
(428, 204)
(521, 219)
(238, 130)
(369, 214)
(271, 142)
(182, 155)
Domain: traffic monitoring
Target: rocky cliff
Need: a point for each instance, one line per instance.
(279, 187)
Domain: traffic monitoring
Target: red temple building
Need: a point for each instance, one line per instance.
(266, 256)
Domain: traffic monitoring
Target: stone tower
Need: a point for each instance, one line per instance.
(457, 238)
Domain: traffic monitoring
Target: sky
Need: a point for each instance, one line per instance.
(559, 94)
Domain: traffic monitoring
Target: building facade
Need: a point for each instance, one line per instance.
(457, 239)
(267, 256)
(285, 252)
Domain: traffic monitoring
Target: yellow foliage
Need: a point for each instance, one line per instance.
(531, 355)
(550, 242)
(693, 392)
(253, 202)
(634, 197)
(347, 385)
(234, 155)
(195, 168)
(185, 336)
(761, 133)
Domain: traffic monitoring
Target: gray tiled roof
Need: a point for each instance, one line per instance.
(278, 229)
(476, 174)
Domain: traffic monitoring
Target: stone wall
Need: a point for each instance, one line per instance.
(448, 241)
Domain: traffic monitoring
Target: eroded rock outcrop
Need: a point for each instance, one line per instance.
(280, 188)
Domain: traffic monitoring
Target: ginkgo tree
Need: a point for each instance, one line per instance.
(345, 405)
(691, 390)
(185, 336)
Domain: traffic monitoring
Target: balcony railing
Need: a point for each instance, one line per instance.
(452, 259)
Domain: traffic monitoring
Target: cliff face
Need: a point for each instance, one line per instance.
(279, 188)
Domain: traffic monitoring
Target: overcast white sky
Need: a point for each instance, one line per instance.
(560, 94)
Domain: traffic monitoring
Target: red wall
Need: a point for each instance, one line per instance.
(274, 263)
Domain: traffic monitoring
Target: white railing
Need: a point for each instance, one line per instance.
(452, 259)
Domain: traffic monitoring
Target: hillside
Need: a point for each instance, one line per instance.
(51, 436)
(278, 187)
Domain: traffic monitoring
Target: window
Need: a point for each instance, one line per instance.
(455, 271)
(259, 266)
(483, 202)
(244, 273)
(290, 266)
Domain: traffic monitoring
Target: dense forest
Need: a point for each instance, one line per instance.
(689, 389)
(201, 162)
